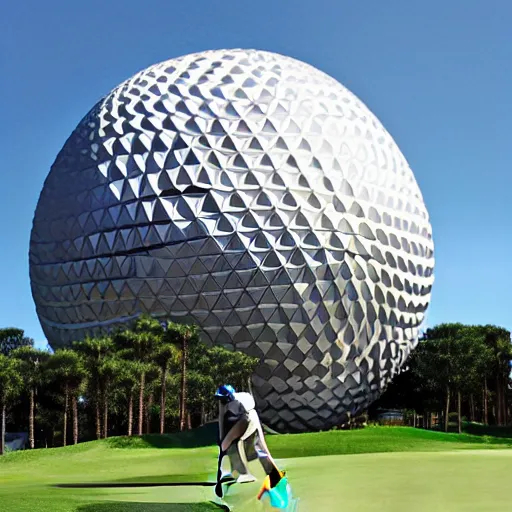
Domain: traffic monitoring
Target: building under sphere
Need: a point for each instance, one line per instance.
(253, 195)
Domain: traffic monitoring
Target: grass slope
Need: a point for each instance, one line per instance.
(378, 440)
(26, 478)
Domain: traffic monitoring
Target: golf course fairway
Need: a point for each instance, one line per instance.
(377, 469)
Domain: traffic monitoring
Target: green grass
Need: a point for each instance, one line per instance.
(380, 468)
(26, 478)
(468, 481)
(378, 440)
(197, 438)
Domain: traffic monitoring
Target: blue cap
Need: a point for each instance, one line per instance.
(225, 391)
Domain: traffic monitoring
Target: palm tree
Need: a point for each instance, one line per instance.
(127, 381)
(152, 378)
(165, 352)
(138, 344)
(182, 336)
(95, 350)
(110, 369)
(78, 392)
(32, 361)
(190, 337)
(498, 339)
(11, 384)
(12, 338)
(66, 366)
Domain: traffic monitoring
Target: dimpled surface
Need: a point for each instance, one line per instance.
(253, 195)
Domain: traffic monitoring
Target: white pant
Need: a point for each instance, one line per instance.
(250, 446)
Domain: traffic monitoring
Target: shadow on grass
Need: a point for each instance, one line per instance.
(121, 485)
(198, 480)
(188, 479)
(130, 506)
(196, 438)
(479, 429)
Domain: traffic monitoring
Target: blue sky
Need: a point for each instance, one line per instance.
(437, 74)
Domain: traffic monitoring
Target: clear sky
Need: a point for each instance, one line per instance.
(438, 75)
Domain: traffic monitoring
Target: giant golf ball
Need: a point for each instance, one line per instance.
(253, 195)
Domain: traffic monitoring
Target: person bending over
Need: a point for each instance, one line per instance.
(241, 436)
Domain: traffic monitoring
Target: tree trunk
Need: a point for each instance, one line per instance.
(105, 411)
(141, 401)
(31, 437)
(163, 386)
(98, 418)
(414, 419)
(486, 408)
(130, 414)
(148, 414)
(183, 401)
(482, 415)
(447, 409)
(203, 413)
(459, 415)
(498, 400)
(105, 416)
(66, 402)
(471, 408)
(189, 421)
(2, 435)
(504, 391)
(74, 403)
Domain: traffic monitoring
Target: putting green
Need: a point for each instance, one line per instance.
(446, 481)
(460, 478)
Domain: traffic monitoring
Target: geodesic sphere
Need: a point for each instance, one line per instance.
(257, 197)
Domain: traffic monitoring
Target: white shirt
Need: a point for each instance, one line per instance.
(246, 399)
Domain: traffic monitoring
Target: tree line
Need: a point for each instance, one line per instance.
(149, 377)
(459, 371)
(159, 377)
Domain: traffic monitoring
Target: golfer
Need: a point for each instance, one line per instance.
(241, 436)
